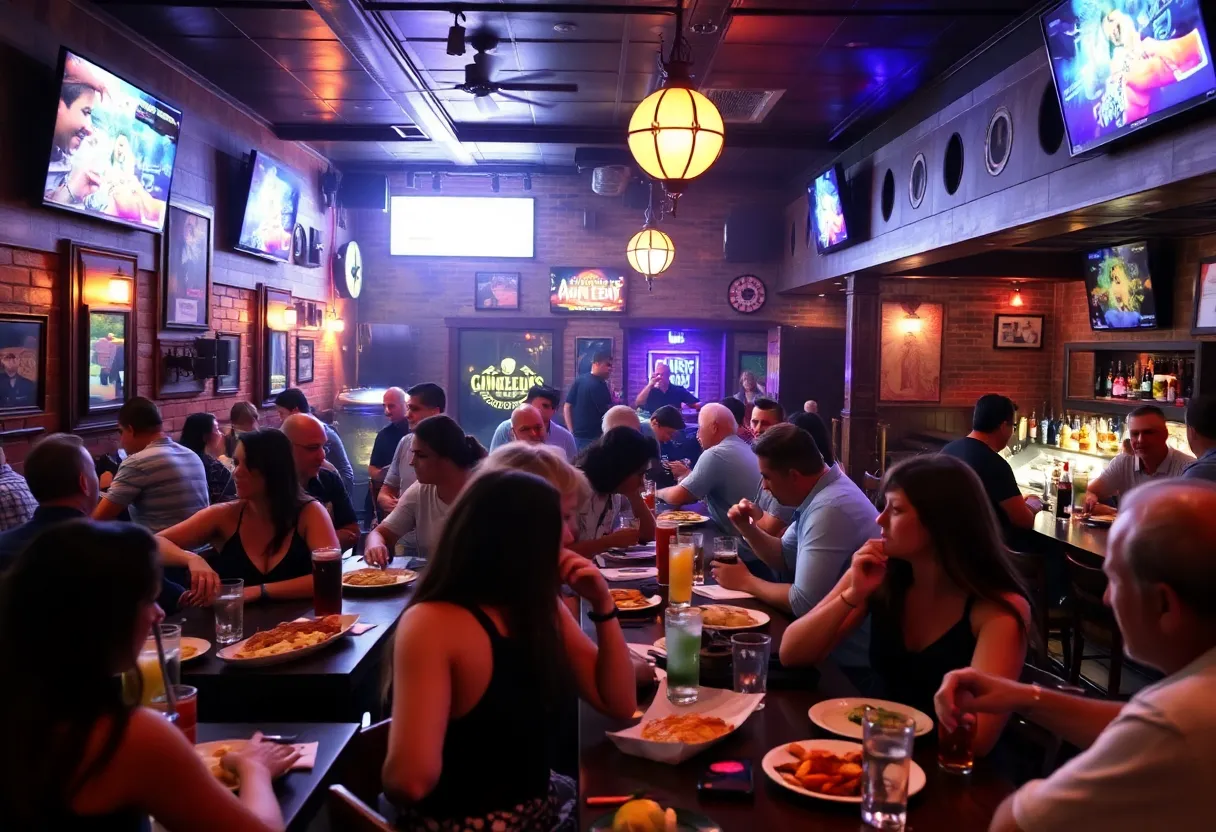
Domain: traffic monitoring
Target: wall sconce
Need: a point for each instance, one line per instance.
(1015, 297)
(290, 317)
(335, 324)
(912, 323)
(119, 291)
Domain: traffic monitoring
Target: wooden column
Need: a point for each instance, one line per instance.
(859, 418)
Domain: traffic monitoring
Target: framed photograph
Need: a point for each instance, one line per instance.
(109, 356)
(585, 349)
(910, 352)
(272, 340)
(175, 376)
(276, 364)
(1017, 332)
(23, 362)
(304, 359)
(496, 291)
(186, 271)
(228, 379)
(1204, 320)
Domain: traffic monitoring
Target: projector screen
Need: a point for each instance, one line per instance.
(461, 226)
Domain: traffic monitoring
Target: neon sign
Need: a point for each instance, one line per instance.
(675, 337)
(586, 290)
(505, 386)
(685, 366)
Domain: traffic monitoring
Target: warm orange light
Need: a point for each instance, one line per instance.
(335, 324)
(650, 252)
(676, 134)
(119, 291)
(290, 317)
(1015, 299)
(911, 325)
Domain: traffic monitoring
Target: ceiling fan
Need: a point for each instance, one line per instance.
(479, 83)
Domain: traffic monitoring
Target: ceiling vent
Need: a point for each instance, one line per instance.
(610, 180)
(743, 106)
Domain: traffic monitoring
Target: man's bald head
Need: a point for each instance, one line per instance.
(307, 436)
(527, 424)
(715, 422)
(394, 404)
(621, 416)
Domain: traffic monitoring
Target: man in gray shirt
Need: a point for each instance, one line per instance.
(1151, 458)
(160, 481)
(422, 401)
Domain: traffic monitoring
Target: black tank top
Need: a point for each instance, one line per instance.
(233, 561)
(913, 678)
(508, 718)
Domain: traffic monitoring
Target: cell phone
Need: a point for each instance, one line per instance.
(726, 778)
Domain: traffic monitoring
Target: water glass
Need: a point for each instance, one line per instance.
(327, 581)
(726, 550)
(750, 655)
(683, 632)
(886, 764)
(697, 539)
(230, 612)
(186, 702)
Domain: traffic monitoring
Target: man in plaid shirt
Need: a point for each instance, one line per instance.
(17, 504)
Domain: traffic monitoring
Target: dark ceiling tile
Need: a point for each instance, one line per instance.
(601, 27)
(368, 112)
(434, 25)
(588, 57)
(290, 110)
(279, 23)
(300, 55)
(276, 83)
(168, 20)
(754, 58)
(357, 84)
(803, 31)
(219, 54)
(585, 115)
(877, 64)
(900, 32)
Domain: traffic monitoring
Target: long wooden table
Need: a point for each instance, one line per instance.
(1073, 534)
(947, 801)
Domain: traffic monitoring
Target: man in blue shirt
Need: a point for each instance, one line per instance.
(1201, 433)
(541, 401)
(293, 400)
(588, 400)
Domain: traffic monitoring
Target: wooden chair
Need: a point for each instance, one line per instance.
(870, 484)
(350, 814)
(363, 762)
(1046, 619)
(1026, 731)
(1090, 615)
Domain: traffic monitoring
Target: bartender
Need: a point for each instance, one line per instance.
(660, 392)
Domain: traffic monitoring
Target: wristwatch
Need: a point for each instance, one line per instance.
(600, 619)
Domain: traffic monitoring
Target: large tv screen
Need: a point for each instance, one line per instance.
(578, 289)
(113, 147)
(827, 211)
(1123, 64)
(1119, 287)
(462, 226)
(271, 206)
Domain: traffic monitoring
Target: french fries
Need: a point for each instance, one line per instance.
(822, 771)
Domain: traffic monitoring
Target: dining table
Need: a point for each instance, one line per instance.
(1080, 535)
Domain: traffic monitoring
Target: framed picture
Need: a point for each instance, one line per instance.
(757, 364)
(585, 349)
(910, 352)
(186, 271)
(1204, 320)
(22, 364)
(276, 364)
(272, 342)
(304, 359)
(1017, 332)
(109, 355)
(498, 291)
(174, 365)
(228, 378)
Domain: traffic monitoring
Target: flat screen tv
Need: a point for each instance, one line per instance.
(462, 226)
(112, 149)
(826, 205)
(578, 289)
(1124, 64)
(272, 204)
(1119, 288)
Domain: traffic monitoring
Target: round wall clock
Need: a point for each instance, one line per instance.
(350, 267)
(747, 293)
(299, 244)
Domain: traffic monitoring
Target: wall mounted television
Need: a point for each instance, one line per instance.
(1119, 288)
(462, 226)
(272, 203)
(579, 289)
(825, 201)
(1122, 65)
(113, 147)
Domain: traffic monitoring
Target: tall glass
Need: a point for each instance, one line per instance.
(229, 609)
(749, 657)
(679, 571)
(697, 539)
(648, 493)
(665, 532)
(955, 749)
(186, 701)
(1080, 482)
(327, 581)
(683, 631)
(147, 666)
(886, 764)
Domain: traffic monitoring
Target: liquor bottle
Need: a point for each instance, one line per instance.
(1188, 380)
(1053, 430)
(1098, 380)
(1064, 493)
(1109, 384)
(1043, 427)
(1031, 431)
(1076, 422)
(1131, 383)
(1146, 380)
(1119, 388)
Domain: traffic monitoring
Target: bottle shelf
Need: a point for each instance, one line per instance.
(1121, 407)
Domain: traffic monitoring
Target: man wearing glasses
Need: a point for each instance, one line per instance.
(307, 437)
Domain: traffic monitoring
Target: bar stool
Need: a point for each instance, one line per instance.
(1087, 586)
(1047, 620)
(1025, 730)
(360, 774)
(351, 814)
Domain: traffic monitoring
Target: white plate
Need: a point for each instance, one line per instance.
(200, 645)
(778, 755)
(228, 653)
(701, 518)
(833, 715)
(408, 577)
(207, 750)
(759, 619)
(651, 602)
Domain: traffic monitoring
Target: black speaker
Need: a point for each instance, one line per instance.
(204, 364)
(752, 235)
(364, 190)
(314, 247)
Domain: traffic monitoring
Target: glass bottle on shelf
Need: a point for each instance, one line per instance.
(1109, 383)
(1030, 431)
(1146, 380)
(1045, 427)
(1099, 376)
(1131, 382)
(1119, 386)
(1188, 380)
(1053, 431)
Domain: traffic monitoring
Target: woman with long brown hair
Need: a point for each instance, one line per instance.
(938, 587)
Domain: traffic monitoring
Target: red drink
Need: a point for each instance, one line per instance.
(665, 532)
(327, 581)
(954, 748)
(186, 717)
(648, 499)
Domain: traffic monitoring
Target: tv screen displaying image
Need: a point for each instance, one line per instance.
(271, 207)
(1123, 64)
(577, 289)
(462, 226)
(1119, 288)
(113, 147)
(827, 211)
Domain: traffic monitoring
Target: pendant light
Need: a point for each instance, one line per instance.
(650, 251)
(676, 133)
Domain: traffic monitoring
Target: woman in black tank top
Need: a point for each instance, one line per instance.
(939, 588)
(483, 656)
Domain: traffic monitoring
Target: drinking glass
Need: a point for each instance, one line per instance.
(1080, 482)
(683, 632)
(187, 709)
(749, 656)
(726, 550)
(648, 493)
(679, 571)
(698, 558)
(327, 581)
(886, 764)
(955, 752)
(665, 532)
(230, 612)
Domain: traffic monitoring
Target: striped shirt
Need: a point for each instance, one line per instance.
(17, 504)
(163, 485)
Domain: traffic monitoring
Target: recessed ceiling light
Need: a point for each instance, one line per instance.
(706, 27)
(363, 108)
(565, 27)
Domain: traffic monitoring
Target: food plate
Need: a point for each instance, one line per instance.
(1101, 521)
(833, 715)
(758, 618)
(780, 754)
(635, 602)
(733, 708)
(686, 821)
(683, 518)
(228, 654)
(401, 577)
(211, 752)
(194, 648)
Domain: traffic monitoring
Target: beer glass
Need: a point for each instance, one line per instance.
(327, 581)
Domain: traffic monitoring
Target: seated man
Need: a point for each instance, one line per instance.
(292, 401)
(766, 413)
(1151, 458)
(621, 416)
(544, 401)
(1201, 434)
(1148, 763)
(422, 401)
(17, 504)
(385, 446)
(307, 435)
(667, 426)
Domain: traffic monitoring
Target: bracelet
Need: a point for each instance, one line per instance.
(262, 596)
(846, 601)
(1037, 692)
(600, 619)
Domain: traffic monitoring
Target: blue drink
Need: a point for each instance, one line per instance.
(683, 625)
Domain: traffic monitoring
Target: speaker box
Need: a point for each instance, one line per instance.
(752, 235)
(364, 190)
(314, 247)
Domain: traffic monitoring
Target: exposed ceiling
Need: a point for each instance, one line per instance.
(340, 73)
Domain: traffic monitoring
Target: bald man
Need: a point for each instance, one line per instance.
(527, 425)
(307, 436)
(386, 442)
(1149, 762)
(621, 416)
(724, 474)
(660, 392)
(544, 401)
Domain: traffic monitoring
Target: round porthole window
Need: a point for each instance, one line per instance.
(888, 195)
(998, 141)
(918, 180)
(1051, 122)
(952, 164)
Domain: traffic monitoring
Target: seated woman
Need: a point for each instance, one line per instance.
(484, 655)
(266, 536)
(615, 465)
(242, 418)
(76, 756)
(443, 458)
(938, 586)
(201, 434)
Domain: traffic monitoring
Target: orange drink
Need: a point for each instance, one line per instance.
(679, 573)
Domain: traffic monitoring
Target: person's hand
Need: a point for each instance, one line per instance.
(260, 755)
(1091, 500)
(376, 554)
(83, 182)
(732, 575)
(582, 576)
(970, 691)
(1034, 503)
(204, 583)
(678, 469)
(655, 379)
(744, 514)
(386, 502)
(867, 571)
